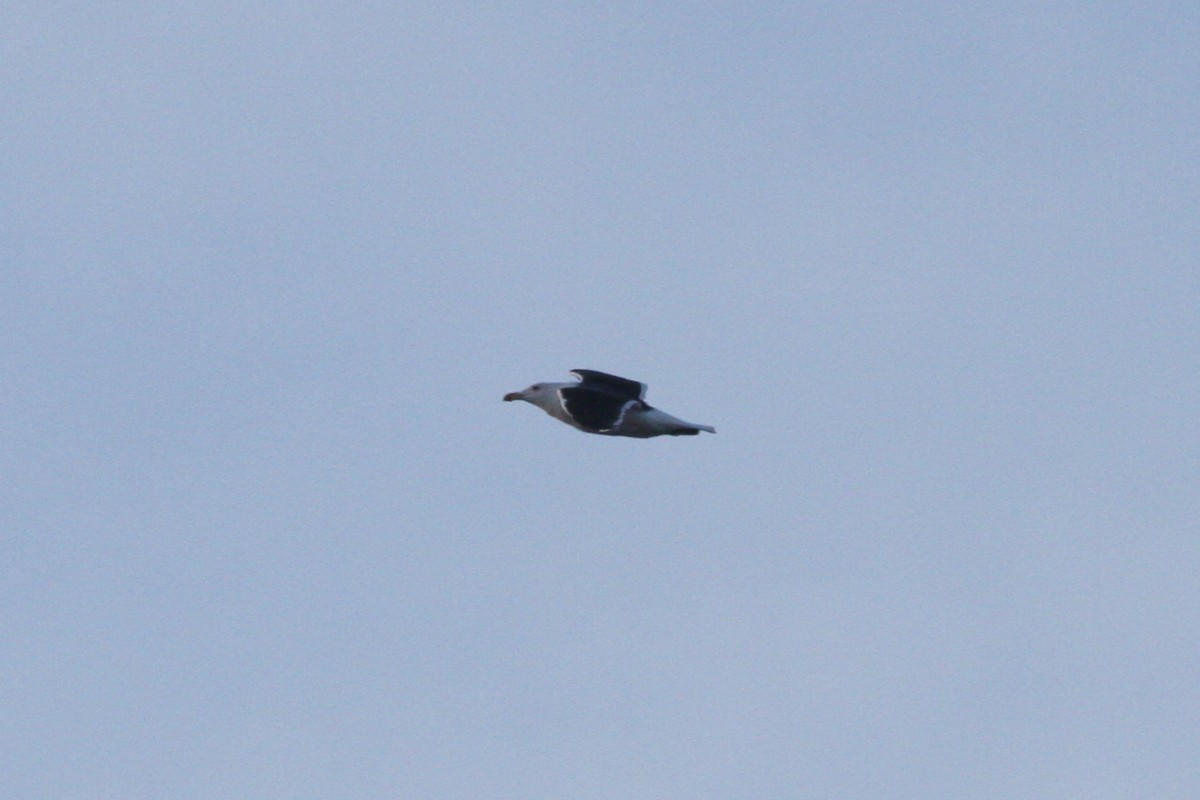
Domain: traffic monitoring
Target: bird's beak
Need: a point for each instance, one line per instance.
(514, 396)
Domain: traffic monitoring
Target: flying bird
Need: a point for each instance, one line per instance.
(605, 404)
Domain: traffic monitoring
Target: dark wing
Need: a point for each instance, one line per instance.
(595, 411)
(603, 382)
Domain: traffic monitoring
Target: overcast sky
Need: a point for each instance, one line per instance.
(268, 531)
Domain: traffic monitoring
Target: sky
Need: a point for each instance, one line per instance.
(268, 530)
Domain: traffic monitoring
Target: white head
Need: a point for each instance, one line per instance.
(542, 395)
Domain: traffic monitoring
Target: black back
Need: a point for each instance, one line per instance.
(595, 411)
(610, 384)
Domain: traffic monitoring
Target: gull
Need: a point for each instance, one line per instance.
(605, 404)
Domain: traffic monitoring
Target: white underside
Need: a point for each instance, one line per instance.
(642, 424)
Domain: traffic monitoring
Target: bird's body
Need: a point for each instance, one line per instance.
(605, 404)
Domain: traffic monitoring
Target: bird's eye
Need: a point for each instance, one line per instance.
(536, 387)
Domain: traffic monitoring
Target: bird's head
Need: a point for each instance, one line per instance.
(533, 394)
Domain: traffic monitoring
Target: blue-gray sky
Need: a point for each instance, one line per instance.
(268, 530)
